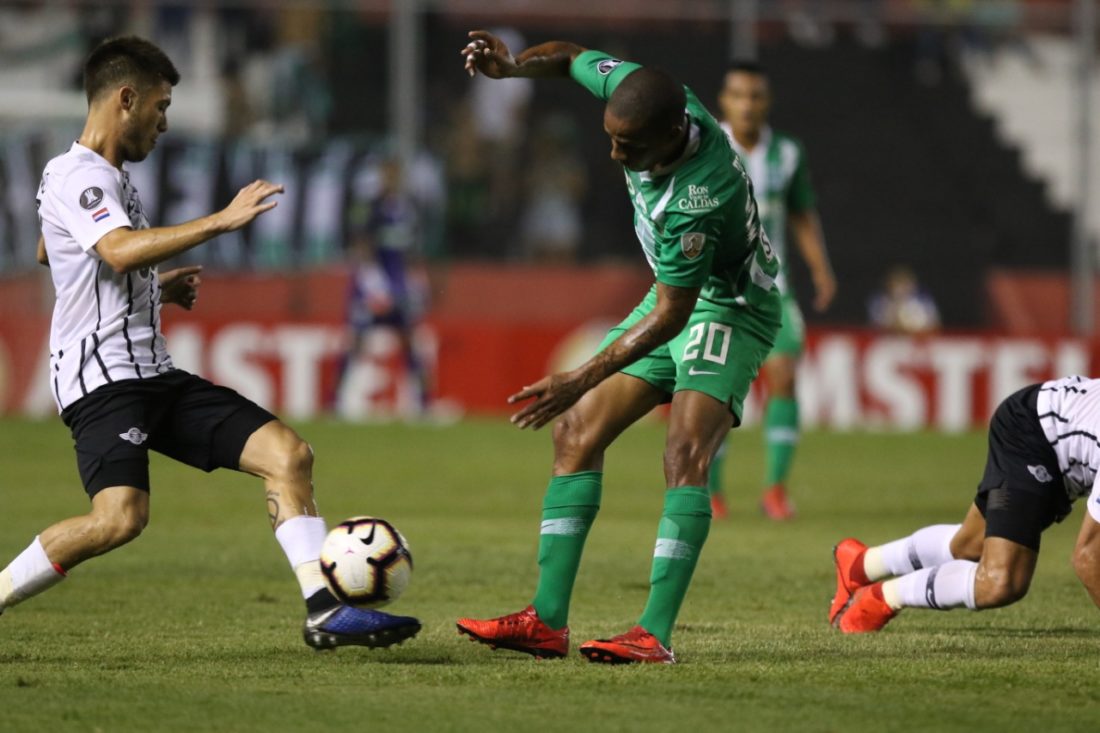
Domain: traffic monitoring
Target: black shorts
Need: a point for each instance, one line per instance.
(1021, 493)
(178, 414)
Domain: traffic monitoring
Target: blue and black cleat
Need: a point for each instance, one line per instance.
(350, 626)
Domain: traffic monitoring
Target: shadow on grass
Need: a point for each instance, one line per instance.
(1051, 633)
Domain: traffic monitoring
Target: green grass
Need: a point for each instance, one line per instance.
(196, 626)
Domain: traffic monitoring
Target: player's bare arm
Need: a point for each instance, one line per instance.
(487, 54)
(1086, 557)
(181, 286)
(126, 249)
(806, 227)
(558, 392)
(41, 256)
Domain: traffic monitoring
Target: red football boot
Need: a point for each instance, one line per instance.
(636, 645)
(866, 611)
(719, 509)
(522, 632)
(848, 558)
(775, 504)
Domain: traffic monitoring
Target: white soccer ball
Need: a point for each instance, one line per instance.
(366, 562)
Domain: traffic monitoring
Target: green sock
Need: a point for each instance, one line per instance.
(568, 510)
(680, 537)
(780, 437)
(714, 478)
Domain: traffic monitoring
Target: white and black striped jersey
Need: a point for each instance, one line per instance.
(106, 326)
(1069, 411)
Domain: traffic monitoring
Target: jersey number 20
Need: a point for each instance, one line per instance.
(717, 346)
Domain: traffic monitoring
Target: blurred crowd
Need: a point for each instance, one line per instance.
(300, 89)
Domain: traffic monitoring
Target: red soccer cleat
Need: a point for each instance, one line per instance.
(718, 507)
(775, 504)
(522, 632)
(846, 555)
(866, 611)
(636, 645)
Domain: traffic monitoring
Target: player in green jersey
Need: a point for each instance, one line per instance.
(776, 163)
(697, 340)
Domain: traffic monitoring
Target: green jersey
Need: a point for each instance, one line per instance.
(781, 182)
(695, 218)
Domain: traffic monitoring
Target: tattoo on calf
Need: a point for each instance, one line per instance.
(273, 507)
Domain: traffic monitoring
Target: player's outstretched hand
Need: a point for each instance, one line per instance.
(553, 396)
(824, 291)
(488, 54)
(250, 202)
(181, 286)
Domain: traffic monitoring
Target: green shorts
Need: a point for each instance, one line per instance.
(792, 334)
(718, 353)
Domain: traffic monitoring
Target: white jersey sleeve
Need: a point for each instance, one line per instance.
(1094, 500)
(89, 204)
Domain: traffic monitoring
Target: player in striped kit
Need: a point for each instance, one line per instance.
(112, 377)
(1043, 455)
(776, 163)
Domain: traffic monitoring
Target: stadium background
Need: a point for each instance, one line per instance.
(942, 136)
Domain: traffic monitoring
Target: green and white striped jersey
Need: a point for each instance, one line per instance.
(696, 219)
(781, 182)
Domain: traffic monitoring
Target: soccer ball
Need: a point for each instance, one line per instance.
(366, 562)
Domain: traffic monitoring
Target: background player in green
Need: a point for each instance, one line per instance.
(697, 339)
(776, 163)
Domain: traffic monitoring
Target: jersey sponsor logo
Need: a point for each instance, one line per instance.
(692, 244)
(606, 66)
(1041, 474)
(91, 197)
(693, 372)
(698, 199)
(100, 215)
(134, 435)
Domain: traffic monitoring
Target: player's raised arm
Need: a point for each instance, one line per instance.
(126, 249)
(489, 55)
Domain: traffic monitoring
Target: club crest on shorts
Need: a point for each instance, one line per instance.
(692, 244)
(606, 66)
(134, 435)
(1041, 474)
(90, 197)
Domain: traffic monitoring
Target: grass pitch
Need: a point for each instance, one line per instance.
(196, 625)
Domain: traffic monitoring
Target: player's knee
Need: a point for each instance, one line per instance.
(967, 547)
(686, 463)
(1000, 588)
(570, 435)
(576, 446)
(118, 529)
(1085, 562)
(293, 457)
(782, 385)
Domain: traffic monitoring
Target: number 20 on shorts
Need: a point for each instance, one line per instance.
(717, 346)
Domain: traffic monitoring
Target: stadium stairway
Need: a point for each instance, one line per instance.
(910, 174)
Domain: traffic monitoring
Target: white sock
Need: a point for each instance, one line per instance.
(925, 548)
(943, 587)
(30, 573)
(301, 538)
